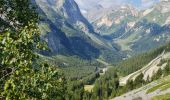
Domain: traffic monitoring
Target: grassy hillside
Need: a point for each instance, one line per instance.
(162, 97)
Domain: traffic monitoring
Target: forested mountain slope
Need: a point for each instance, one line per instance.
(133, 73)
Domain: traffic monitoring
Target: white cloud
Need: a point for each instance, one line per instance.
(89, 4)
(108, 3)
(147, 3)
(86, 4)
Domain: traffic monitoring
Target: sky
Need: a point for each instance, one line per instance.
(89, 4)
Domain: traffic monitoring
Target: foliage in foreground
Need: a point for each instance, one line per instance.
(21, 77)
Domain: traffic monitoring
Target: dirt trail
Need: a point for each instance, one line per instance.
(147, 70)
(141, 92)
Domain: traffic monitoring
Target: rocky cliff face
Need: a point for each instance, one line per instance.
(159, 14)
(65, 11)
(150, 30)
(122, 29)
(116, 22)
(136, 30)
(67, 32)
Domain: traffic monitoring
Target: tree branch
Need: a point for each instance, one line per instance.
(7, 74)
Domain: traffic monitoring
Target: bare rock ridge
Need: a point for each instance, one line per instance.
(122, 31)
(67, 32)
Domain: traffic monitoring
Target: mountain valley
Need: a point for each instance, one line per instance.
(114, 38)
(85, 50)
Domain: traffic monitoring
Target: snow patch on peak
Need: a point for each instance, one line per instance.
(154, 19)
(146, 12)
(83, 11)
(148, 30)
(105, 21)
(167, 20)
(117, 21)
(123, 7)
(131, 24)
(157, 39)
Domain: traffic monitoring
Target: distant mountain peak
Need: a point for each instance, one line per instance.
(165, 0)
